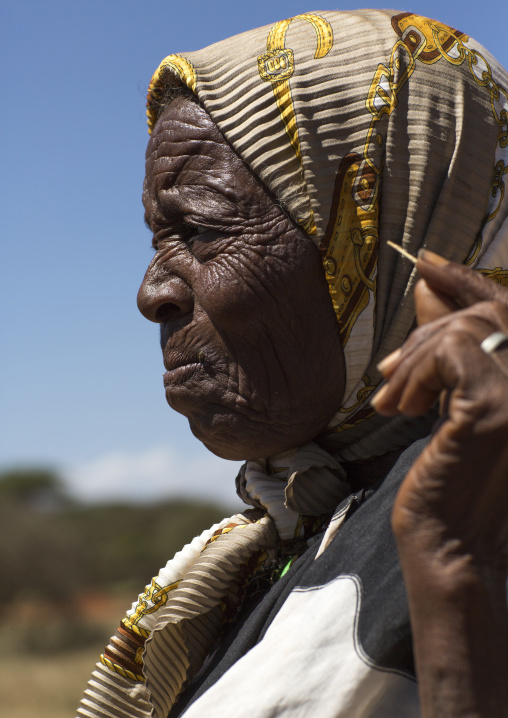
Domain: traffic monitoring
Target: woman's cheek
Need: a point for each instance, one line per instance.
(230, 292)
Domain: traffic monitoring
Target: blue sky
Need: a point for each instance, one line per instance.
(80, 369)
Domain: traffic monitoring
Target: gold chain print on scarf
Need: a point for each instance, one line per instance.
(277, 65)
(429, 41)
(498, 275)
(151, 600)
(349, 246)
(124, 654)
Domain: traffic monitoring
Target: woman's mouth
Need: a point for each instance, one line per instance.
(179, 369)
(180, 374)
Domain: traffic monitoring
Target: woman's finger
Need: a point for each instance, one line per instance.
(421, 388)
(413, 385)
(459, 283)
(415, 380)
(431, 304)
(435, 316)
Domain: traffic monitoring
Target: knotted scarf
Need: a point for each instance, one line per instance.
(179, 617)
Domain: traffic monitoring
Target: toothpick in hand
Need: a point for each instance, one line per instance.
(402, 251)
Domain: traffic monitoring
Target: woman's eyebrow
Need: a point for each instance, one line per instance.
(205, 202)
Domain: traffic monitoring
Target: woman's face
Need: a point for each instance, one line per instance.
(248, 333)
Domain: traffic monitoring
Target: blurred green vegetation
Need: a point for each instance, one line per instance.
(59, 556)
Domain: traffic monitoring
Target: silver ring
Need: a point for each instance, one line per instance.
(495, 341)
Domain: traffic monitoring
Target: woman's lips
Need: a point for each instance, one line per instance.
(181, 373)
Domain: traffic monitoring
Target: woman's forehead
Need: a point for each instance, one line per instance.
(190, 164)
(185, 145)
(182, 127)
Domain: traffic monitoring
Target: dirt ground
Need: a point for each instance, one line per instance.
(43, 667)
(44, 687)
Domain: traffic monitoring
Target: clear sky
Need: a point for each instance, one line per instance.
(81, 371)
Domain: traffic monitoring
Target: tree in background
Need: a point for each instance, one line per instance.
(56, 550)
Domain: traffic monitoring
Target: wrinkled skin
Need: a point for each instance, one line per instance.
(466, 463)
(248, 332)
(450, 517)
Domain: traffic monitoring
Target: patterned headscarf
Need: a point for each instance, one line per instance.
(367, 126)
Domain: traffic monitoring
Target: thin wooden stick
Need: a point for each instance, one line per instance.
(402, 251)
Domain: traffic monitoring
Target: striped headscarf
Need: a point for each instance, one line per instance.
(367, 126)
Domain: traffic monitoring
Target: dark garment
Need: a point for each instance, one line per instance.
(360, 567)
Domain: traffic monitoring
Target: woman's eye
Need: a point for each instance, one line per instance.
(201, 234)
(195, 237)
(198, 233)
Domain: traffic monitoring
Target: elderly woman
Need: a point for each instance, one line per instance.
(281, 164)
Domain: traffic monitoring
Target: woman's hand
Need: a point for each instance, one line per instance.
(462, 477)
(450, 517)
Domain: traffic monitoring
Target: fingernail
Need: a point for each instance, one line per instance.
(378, 395)
(386, 364)
(432, 258)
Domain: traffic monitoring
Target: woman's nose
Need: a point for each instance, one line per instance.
(161, 299)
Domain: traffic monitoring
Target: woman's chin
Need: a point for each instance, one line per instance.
(244, 446)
